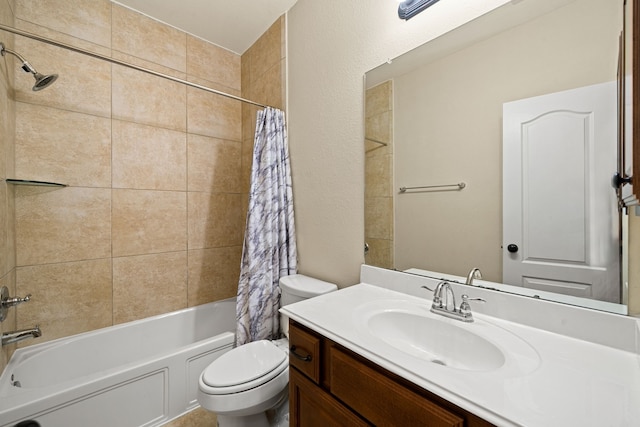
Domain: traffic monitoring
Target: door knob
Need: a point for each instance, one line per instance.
(512, 248)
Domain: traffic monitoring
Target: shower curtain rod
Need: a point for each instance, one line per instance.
(124, 64)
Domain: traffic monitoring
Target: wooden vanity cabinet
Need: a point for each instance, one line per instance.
(330, 385)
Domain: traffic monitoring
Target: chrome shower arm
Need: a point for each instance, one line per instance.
(4, 50)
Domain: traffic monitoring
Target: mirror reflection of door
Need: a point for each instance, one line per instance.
(560, 223)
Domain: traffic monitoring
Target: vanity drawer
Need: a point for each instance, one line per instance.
(304, 351)
(381, 400)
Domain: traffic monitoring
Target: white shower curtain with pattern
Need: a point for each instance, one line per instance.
(269, 250)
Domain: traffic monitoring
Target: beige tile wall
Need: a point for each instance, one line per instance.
(263, 81)
(153, 218)
(7, 148)
(378, 221)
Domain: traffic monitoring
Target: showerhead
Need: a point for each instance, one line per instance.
(42, 81)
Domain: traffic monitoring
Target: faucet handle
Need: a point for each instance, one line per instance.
(12, 302)
(465, 298)
(6, 302)
(465, 308)
(437, 300)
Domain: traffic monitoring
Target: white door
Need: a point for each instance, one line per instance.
(560, 221)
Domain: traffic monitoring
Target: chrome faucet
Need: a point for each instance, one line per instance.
(22, 334)
(443, 301)
(441, 305)
(473, 274)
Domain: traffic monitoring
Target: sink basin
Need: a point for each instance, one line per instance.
(404, 331)
(436, 341)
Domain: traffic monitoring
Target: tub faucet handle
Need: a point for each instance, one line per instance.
(12, 302)
(6, 302)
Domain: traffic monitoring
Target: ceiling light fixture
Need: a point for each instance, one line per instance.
(410, 8)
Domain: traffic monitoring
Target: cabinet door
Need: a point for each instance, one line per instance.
(380, 399)
(310, 406)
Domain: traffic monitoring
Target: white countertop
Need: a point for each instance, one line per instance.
(572, 382)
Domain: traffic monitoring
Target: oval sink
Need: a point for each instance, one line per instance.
(435, 340)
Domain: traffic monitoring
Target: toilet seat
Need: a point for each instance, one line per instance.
(244, 368)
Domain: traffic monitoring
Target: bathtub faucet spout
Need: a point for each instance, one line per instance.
(23, 334)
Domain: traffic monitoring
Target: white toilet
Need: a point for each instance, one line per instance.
(248, 386)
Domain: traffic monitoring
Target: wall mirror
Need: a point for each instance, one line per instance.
(494, 146)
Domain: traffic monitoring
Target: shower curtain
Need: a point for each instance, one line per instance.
(269, 250)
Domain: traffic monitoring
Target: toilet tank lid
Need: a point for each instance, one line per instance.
(305, 286)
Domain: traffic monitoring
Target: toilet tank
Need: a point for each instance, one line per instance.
(298, 287)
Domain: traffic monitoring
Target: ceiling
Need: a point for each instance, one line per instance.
(232, 24)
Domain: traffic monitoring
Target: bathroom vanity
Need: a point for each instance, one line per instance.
(330, 385)
(374, 354)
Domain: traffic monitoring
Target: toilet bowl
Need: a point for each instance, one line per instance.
(248, 385)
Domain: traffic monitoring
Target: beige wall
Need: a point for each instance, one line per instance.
(448, 124)
(378, 196)
(153, 218)
(7, 140)
(331, 44)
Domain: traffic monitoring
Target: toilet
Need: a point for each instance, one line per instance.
(248, 385)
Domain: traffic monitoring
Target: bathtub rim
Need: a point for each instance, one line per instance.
(24, 353)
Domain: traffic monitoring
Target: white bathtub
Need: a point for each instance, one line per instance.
(141, 373)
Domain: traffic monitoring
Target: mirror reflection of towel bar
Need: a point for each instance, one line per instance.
(459, 186)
